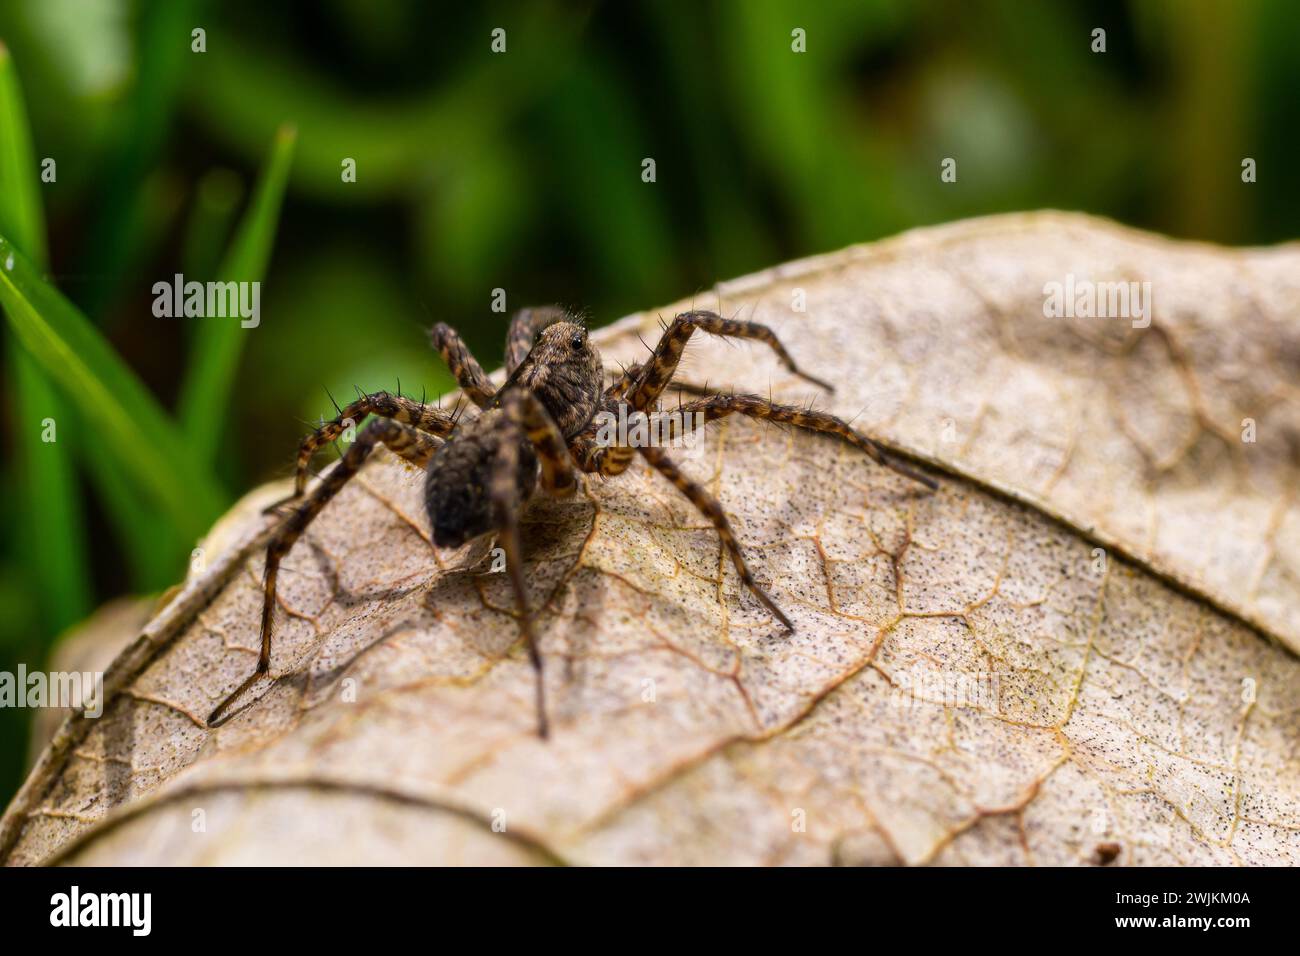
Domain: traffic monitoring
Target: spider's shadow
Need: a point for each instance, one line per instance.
(449, 588)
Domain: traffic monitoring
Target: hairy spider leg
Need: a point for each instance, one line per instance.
(403, 440)
(720, 406)
(464, 367)
(712, 510)
(642, 383)
(623, 380)
(418, 415)
(526, 417)
(654, 375)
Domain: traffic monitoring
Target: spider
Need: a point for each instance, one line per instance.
(539, 428)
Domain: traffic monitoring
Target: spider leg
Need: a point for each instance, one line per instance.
(422, 417)
(712, 509)
(464, 367)
(525, 412)
(404, 440)
(526, 418)
(654, 376)
(719, 406)
(624, 379)
(523, 330)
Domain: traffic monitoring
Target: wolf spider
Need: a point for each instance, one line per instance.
(541, 425)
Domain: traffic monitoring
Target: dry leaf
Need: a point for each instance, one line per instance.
(1080, 649)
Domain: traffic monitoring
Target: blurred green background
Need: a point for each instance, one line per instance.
(522, 171)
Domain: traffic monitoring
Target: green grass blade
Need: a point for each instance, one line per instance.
(54, 539)
(53, 542)
(128, 424)
(21, 217)
(118, 242)
(217, 199)
(155, 552)
(214, 360)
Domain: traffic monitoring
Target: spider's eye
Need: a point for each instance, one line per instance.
(578, 340)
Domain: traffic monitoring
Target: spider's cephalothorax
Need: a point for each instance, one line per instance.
(564, 371)
(539, 429)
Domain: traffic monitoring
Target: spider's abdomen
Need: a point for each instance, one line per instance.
(456, 488)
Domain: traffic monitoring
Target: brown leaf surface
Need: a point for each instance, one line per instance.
(969, 683)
